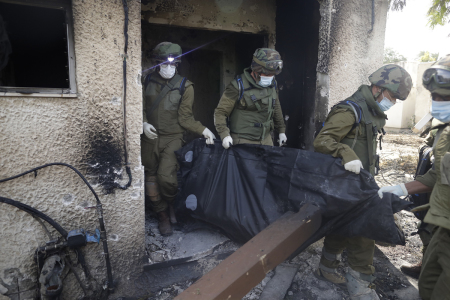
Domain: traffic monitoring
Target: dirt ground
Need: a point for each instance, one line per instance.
(398, 161)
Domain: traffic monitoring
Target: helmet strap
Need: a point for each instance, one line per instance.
(378, 93)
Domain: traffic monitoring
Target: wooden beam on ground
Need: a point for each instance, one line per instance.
(233, 278)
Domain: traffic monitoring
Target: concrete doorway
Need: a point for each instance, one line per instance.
(211, 67)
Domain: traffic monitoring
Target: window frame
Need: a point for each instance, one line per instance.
(66, 5)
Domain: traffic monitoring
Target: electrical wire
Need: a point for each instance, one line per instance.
(98, 207)
(34, 212)
(125, 142)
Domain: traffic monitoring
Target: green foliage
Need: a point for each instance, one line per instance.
(397, 4)
(425, 56)
(438, 13)
(392, 56)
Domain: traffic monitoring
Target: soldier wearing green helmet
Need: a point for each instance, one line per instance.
(167, 112)
(434, 279)
(350, 132)
(251, 104)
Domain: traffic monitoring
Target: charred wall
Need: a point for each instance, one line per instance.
(350, 49)
(85, 131)
(250, 16)
(297, 42)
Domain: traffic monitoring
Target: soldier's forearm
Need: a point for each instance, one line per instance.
(416, 187)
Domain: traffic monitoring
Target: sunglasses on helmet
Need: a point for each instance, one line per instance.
(441, 76)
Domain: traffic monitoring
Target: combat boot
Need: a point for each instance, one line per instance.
(173, 218)
(330, 275)
(413, 271)
(165, 229)
(358, 286)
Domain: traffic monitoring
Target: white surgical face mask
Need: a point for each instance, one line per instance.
(167, 71)
(265, 81)
(385, 103)
(441, 110)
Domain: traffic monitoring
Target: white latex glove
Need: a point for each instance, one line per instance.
(283, 139)
(150, 131)
(227, 142)
(209, 136)
(354, 166)
(399, 190)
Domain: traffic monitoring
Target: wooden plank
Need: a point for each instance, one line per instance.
(244, 269)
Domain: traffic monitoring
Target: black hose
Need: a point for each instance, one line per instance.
(125, 56)
(99, 212)
(34, 212)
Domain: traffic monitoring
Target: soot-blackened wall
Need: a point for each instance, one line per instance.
(297, 28)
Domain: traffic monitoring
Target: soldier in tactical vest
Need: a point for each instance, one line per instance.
(251, 103)
(350, 132)
(167, 112)
(434, 280)
(424, 230)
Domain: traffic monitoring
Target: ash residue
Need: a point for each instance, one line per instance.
(105, 160)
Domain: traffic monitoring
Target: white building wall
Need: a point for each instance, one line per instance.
(78, 131)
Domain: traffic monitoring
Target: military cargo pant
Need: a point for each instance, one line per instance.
(434, 280)
(237, 140)
(159, 161)
(426, 233)
(359, 252)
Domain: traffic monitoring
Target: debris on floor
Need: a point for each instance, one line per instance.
(197, 248)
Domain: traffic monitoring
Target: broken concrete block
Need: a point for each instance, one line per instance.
(277, 287)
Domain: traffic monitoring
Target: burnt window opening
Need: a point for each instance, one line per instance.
(41, 58)
(211, 68)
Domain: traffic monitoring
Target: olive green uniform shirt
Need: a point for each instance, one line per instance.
(439, 179)
(185, 114)
(228, 102)
(338, 126)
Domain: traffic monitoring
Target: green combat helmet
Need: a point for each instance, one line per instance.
(167, 51)
(393, 78)
(436, 78)
(267, 61)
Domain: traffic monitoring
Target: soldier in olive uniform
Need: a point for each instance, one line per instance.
(167, 112)
(251, 103)
(425, 230)
(350, 132)
(434, 280)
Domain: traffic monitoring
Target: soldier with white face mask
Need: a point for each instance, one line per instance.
(434, 280)
(251, 103)
(167, 112)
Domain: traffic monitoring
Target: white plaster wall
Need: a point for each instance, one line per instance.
(423, 96)
(36, 131)
(354, 52)
(254, 16)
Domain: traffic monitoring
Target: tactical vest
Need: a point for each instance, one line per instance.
(363, 139)
(165, 117)
(252, 116)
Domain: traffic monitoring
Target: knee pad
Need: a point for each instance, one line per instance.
(152, 188)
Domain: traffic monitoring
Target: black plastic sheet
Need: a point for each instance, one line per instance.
(247, 187)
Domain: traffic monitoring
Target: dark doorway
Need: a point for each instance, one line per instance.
(211, 68)
(298, 41)
(203, 68)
